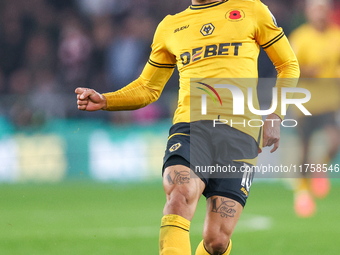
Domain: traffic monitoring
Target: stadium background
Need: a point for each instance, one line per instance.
(74, 182)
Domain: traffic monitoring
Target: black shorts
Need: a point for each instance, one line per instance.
(224, 149)
(310, 124)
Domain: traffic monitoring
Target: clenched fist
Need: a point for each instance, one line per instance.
(90, 100)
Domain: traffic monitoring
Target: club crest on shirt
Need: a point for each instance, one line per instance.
(235, 15)
(175, 147)
(207, 29)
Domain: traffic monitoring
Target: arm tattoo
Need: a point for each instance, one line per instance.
(225, 209)
(179, 178)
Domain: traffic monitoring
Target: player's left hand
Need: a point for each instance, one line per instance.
(271, 131)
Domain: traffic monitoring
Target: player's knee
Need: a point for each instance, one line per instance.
(216, 243)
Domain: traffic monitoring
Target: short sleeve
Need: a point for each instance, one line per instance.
(267, 31)
(160, 55)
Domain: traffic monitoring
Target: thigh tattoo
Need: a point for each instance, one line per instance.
(180, 178)
(225, 207)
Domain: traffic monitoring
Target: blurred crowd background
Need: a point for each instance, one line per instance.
(50, 47)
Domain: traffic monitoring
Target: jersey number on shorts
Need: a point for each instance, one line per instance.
(247, 177)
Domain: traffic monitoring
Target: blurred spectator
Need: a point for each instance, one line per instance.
(20, 82)
(12, 41)
(19, 106)
(103, 7)
(39, 53)
(2, 83)
(102, 36)
(336, 13)
(129, 51)
(74, 54)
(46, 101)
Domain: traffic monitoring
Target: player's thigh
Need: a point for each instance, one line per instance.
(221, 218)
(180, 179)
(183, 190)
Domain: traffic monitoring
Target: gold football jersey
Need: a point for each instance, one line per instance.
(215, 40)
